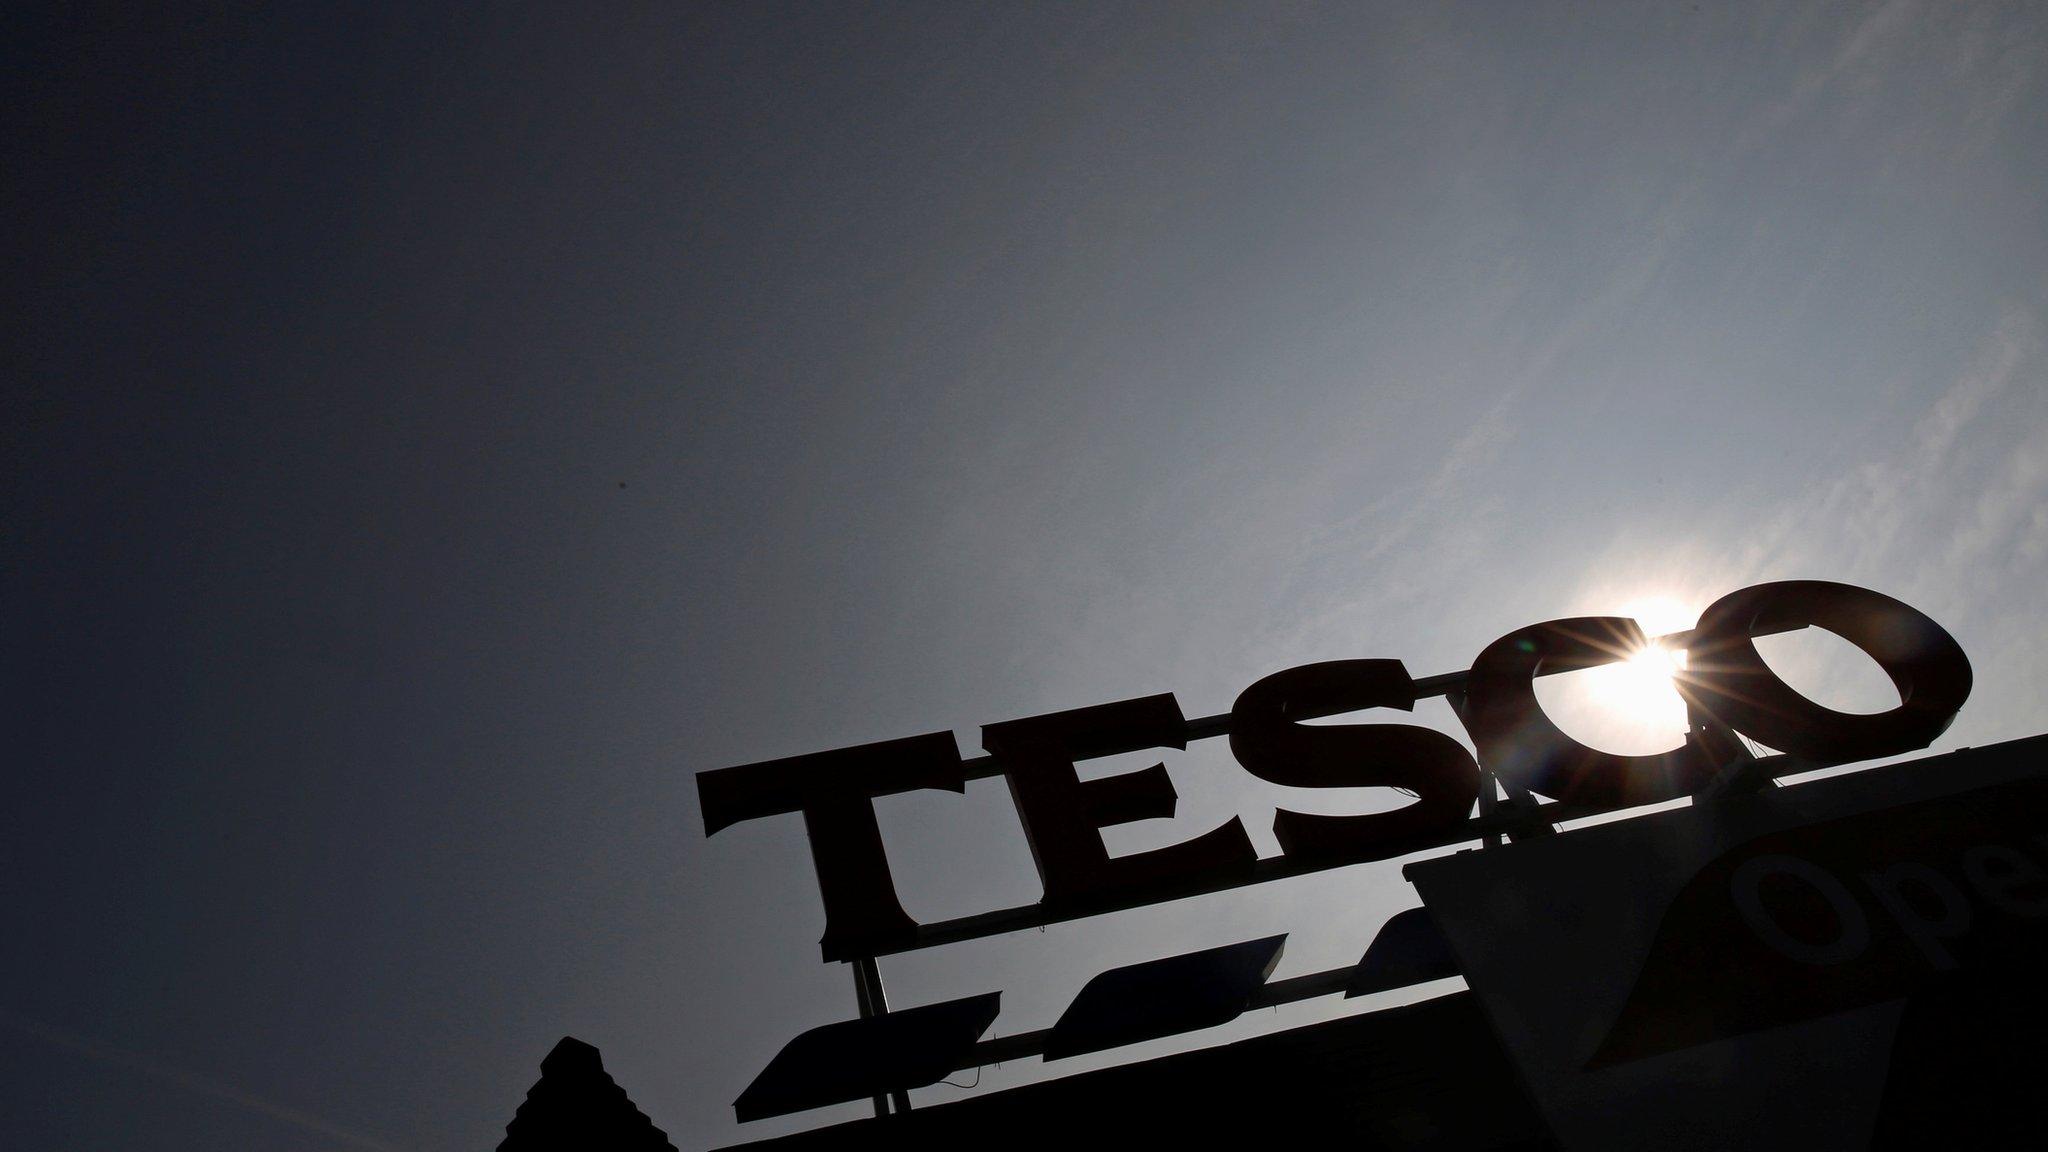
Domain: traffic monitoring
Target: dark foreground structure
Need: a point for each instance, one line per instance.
(1852, 962)
(1425, 1076)
(575, 1104)
(1785, 956)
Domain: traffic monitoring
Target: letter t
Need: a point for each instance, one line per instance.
(835, 792)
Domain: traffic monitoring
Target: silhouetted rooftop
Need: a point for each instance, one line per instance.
(576, 1105)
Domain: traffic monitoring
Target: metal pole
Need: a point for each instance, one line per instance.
(1489, 795)
(869, 975)
(867, 1009)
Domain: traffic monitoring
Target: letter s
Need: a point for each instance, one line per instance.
(1268, 740)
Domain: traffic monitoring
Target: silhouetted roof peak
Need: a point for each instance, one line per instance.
(576, 1105)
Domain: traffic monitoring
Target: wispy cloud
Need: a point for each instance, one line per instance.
(1953, 518)
(192, 1082)
(1921, 510)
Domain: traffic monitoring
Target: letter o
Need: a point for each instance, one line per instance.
(1728, 679)
(1745, 887)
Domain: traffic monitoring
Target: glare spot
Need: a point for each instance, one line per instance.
(1660, 615)
(1630, 706)
(1639, 690)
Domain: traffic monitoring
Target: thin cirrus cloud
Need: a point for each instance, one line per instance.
(1949, 518)
(115, 1057)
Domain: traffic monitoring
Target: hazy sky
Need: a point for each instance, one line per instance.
(432, 437)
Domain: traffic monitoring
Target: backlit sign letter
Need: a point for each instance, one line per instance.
(1728, 679)
(1064, 815)
(835, 790)
(1267, 738)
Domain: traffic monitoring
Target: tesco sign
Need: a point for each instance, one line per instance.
(1727, 687)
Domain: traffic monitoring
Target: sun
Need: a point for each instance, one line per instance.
(1640, 689)
(1631, 706)
(1637, 693)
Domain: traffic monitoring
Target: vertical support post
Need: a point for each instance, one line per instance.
(868, 976)
(867, 1009)
(1529, 819)
(1489, 803)
(1736, 770)
(1489, 788)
